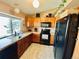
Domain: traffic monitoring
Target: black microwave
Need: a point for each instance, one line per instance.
(46, 24)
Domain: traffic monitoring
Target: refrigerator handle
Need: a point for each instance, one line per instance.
(76, 39)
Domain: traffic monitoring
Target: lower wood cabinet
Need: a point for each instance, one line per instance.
(23, 44)
(51, 39)
(36, 38)
(9, 53)
(15, 50)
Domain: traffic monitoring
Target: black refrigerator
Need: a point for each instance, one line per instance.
(65, 35)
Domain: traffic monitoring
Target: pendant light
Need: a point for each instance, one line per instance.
(17, 10)
(35, 3)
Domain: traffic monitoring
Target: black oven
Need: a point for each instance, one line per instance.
(45, 33)
(45, 36)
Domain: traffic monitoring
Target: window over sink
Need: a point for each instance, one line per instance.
(5, 28)
(9, 25)
(16, 25)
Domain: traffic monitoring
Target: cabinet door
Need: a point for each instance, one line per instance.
(37, 22)
(9, 53)
(30, 22)
(27, 41)
(19, 48)
(52, 39)
(23, 44)
(36, 38)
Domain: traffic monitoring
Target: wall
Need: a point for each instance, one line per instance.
(76, 50)
(5, 8)
(10, 10)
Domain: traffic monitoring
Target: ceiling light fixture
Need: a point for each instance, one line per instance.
(35, 3)
(17, 10)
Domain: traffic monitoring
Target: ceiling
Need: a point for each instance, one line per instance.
(46, 6)
(27, 7)
(70, 7)
(73, 4)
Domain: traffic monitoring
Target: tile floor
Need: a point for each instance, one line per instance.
(37, 51)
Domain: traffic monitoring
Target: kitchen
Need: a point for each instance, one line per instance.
(40, 35)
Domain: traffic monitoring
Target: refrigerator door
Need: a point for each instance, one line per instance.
(71, 36)
(60, 38)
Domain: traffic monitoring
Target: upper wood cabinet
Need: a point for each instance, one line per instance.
(37, 21)
(29, 22)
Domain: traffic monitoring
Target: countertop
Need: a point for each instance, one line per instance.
(4, 43)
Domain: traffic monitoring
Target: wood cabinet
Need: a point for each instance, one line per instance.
(9, 53)
(29, 22)
(36, 38)
(52, 39)
(37, 21)
(23, 44)
(15, 50)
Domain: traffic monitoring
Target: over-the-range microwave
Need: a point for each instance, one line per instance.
(46, 24)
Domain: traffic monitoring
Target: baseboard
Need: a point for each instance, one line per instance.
(43, 44)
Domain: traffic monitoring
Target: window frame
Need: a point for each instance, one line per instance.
(11, 18)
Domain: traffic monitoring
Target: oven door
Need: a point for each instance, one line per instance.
(45, 39)
(45, 36)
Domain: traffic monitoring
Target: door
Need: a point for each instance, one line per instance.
(60, 38)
